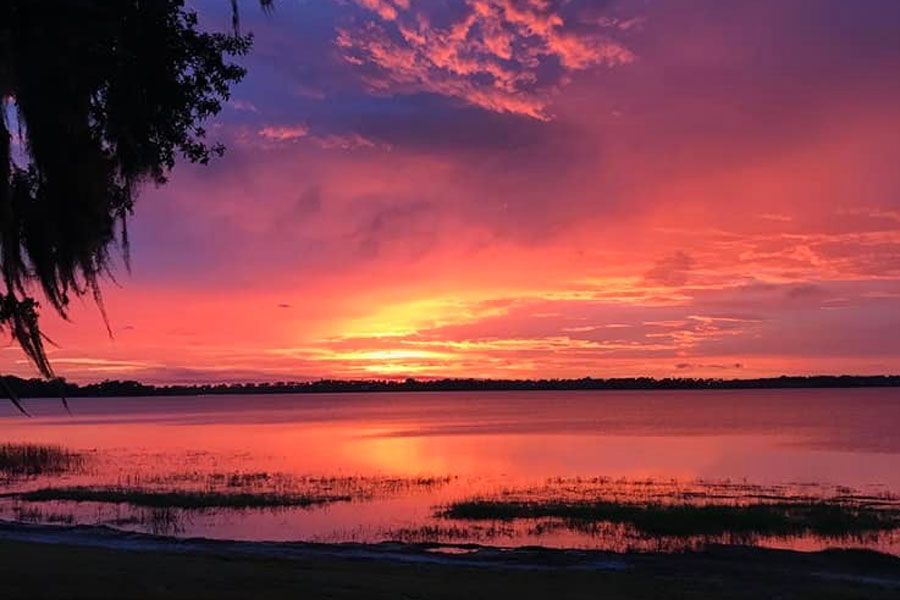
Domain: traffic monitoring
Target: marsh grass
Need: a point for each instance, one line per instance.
(156, 520)
(31, 514)
(354, 485)
(697, 491)
(350, 487)
(456, 533)
(177, 499)
(780, 518)
(37, 459)
(211, 491)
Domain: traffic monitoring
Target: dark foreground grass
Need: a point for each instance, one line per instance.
(177, 499)
(777, 518)
(33, 570)
(37, 459)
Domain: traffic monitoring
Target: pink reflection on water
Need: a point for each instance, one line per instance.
(484, 442)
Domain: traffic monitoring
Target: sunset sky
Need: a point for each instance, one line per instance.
(524, 188)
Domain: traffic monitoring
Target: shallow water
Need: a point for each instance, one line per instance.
(395, 459)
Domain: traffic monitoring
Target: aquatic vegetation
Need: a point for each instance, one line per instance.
(769, 518)
(32, 514)
(472, 532)
(356, 487)
(697, 491)
(155, 520)
(684, 512)
(162, 503)
(616, 514)
(175, 499)
(194, 490)
(37, 459)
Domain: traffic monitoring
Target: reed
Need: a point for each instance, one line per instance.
(776, 518)
(37, 459)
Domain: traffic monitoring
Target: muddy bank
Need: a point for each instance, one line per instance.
(81, 562)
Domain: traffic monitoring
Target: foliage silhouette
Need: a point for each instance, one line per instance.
(96, 98)
(39, 388)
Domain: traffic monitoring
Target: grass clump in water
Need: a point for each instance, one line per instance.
(778, 518)
(176, 499)
(37, 459)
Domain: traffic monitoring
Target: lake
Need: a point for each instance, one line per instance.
(386, 466)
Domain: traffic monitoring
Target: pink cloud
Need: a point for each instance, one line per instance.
(490, 57)
(384, 8)
(284, 133)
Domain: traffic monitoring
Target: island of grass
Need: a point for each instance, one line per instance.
(187, 499)
(234, 490)
(822, 517)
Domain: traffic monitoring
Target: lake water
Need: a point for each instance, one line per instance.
(389, 462)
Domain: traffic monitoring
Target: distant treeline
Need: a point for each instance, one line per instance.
(39, 388)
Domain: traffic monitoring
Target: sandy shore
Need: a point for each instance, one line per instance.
(51, 562)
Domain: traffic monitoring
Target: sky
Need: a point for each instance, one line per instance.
(524, 188)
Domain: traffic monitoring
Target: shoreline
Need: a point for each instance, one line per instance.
(469, 555)
(47, 389)
(87, 561)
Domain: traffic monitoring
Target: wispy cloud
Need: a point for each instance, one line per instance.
(284, 133)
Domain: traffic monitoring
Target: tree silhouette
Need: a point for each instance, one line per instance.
(97, 97)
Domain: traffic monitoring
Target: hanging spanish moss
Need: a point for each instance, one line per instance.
(97, 98)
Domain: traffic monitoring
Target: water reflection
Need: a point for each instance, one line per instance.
(393, 460)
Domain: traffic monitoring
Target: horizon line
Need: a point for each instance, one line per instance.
(37, 387)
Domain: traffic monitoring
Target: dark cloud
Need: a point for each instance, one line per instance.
(672, 271)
